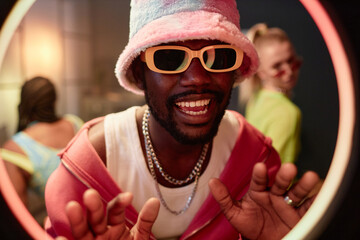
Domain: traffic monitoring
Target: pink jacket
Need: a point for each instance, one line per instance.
(82, 168)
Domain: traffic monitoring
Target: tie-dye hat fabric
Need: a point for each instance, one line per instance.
(153, 22)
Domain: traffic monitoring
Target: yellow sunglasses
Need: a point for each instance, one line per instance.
(169, 59)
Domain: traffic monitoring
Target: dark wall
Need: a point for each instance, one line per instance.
(345, 223)
(316, 91)
(316, 95)
(4, 9)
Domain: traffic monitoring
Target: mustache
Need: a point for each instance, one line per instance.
(217, 95)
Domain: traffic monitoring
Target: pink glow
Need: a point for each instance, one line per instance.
(18, 208)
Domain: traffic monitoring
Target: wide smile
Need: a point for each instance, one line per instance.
(194, 108)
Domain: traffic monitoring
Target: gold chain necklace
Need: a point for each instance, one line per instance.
(152, 159)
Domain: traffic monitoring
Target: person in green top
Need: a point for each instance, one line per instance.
(268, 94)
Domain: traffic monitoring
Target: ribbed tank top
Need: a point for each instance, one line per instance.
(127, 165)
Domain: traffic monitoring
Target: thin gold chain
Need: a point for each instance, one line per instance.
(151, 156)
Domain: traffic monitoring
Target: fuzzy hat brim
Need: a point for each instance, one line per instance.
(181, 27)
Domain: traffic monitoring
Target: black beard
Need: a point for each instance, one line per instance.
(169, 125)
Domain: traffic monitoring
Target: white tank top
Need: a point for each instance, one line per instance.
(127, 165)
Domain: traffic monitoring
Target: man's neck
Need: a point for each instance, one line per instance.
(177, 159)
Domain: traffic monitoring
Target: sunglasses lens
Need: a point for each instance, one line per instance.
(220, 58)
(176, 59)
(170, 59)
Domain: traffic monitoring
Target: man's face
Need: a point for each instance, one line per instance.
(191, 104)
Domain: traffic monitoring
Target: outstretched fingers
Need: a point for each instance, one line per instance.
(78, 222)
(293, 204)
(95, 208)
(116, 208)
(222, 196)
(108, 224)
(259, 178)
(146, 219)
(283, 179)
(300, 191)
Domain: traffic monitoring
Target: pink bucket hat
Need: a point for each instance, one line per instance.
(153, 22)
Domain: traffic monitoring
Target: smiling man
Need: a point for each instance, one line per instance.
(189, 102)
(182, 166)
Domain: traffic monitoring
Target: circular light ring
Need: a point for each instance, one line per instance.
(305, 229)
(6, 188)
(315, 216)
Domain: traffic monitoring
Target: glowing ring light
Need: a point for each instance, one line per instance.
(314, 220)
(7, 190)
(315, 216)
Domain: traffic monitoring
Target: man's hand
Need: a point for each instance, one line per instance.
(109, 226)
(263, 213)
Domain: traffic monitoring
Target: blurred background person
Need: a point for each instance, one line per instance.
(31, 154)
(267, 96)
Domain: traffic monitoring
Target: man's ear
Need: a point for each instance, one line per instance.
(137, 68)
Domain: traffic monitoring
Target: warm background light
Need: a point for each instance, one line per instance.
(73, 44)
(42, 52)
(36, 48)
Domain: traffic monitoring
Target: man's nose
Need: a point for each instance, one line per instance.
(196, 74)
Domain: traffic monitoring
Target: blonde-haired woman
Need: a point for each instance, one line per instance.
(267, 95)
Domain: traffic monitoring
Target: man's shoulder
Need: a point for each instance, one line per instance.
(96, 127)
(97, 139)
(240, 120)
(246, 130)
(87, 141)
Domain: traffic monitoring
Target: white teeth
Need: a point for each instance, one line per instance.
(195, 113)
(198, 103)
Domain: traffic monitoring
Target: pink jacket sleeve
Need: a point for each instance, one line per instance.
(81, 168)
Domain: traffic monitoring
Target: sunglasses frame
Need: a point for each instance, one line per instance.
(148, 57)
